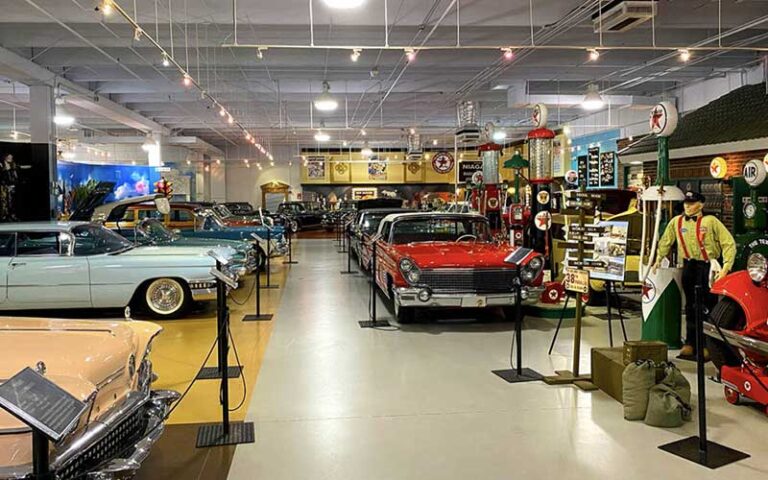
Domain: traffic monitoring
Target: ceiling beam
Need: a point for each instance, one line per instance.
(22, 70)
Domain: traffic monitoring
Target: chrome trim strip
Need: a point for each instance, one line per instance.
(747, 343)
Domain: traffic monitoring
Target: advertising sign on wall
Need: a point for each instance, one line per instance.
(377, 169)
(467, 168)
(316, 168)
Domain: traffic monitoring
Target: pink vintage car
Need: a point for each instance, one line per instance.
(104, 364)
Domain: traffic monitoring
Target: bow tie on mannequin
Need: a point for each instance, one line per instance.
(691, 218)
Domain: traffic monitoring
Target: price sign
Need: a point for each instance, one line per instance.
(576, 280)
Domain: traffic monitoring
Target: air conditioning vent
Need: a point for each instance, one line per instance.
(623, 15)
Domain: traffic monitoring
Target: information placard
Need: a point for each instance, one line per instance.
(41, 404)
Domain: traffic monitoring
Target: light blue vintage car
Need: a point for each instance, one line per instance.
(53, 265)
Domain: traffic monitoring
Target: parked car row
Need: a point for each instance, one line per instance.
(144, 252)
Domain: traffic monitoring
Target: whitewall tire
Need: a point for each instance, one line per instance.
(165, 297)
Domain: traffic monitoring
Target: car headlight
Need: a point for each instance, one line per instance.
(536, 263)
(406, 265)
(528, 275)
(532, 269)
(413, 276)
(757, 266)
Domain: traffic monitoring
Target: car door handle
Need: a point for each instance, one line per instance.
(18, 264)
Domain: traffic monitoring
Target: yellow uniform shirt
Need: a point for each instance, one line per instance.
(716, 238)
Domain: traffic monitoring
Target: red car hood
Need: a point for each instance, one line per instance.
(456, 255)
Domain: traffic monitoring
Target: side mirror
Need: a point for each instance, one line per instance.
(177, 231)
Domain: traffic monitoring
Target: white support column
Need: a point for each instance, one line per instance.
(42, 108)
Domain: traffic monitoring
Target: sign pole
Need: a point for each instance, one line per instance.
(269, 265)
(258, 316)
(41, 469)
(372, 321)
(290, 261)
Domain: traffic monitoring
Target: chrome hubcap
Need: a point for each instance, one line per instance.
(165, 296)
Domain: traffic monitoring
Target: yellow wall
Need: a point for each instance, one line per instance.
(397, 168)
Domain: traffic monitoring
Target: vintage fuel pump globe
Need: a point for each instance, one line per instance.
(662, 294)
(540, 157)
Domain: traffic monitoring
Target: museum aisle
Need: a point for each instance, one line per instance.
(334, 401)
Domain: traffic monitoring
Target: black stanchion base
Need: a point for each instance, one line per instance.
(348, 272)
(373, 323)
(511, 375)
(292, 262)
(264, 317)
(212, 435)
(270, 287)
(717, 455)
(212, 373)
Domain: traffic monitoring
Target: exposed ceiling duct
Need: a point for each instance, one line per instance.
(623, 15)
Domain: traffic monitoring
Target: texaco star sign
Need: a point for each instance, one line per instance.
(663, 119)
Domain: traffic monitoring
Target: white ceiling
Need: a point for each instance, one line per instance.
(271, 96)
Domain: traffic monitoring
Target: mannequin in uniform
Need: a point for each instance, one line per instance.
(700, 239)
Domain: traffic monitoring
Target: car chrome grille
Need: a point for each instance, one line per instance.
(483, 280)
(117, 441)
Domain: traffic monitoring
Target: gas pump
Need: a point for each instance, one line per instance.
(518, 213)
(540, 156)
(488, 196)
(750, 202)
(662, 294)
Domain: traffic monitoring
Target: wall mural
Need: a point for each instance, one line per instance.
(130, 181)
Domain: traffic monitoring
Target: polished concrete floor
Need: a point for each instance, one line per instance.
(334, 401)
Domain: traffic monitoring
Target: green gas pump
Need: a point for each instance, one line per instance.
(750, 203)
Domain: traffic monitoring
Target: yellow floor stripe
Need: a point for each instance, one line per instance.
(178, 352)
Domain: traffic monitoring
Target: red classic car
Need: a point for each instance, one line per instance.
(436, 259)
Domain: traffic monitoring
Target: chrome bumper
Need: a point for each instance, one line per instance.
(409, 297)
(204, 294)
(747, 343)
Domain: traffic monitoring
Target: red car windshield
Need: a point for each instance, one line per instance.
(440, 229)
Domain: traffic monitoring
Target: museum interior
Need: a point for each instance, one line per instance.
(383, 239)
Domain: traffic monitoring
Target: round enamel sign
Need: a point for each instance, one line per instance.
(754, 172)
(663, 119)
(543, 221)
(442, 162)
(718, 167)
(539, 116)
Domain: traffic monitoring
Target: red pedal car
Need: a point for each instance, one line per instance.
(449, 260)
(741, 316)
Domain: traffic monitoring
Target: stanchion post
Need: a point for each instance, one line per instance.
(372, 321)
(268, 262)
(290, 261)
(258, 316)
(518, 374)
(347, 240)
(224, 433)
(699, 449)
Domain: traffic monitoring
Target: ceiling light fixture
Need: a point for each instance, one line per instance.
(325, 101)
(685, 54)
(222, 112)
(499, 135)
(344, 143)
(63, 118)
(187, 80)
(594, 54)
(410, 54)
(260, 52)
(366, 150)
(592, 100)
(507, 53)
(434, 142)
(343, 4)
(363, 132)
(166, 61)
(230, 120)
(106, 7)
(218, 161)
(355, 54)
(321, 136)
